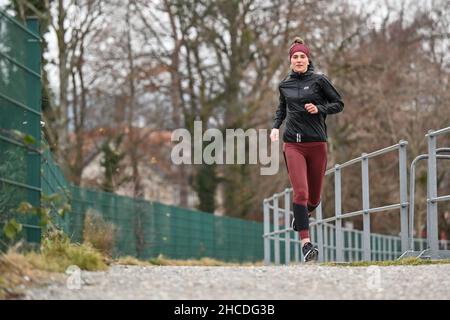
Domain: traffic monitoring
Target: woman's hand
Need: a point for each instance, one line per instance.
(274, 134)
(311, 108)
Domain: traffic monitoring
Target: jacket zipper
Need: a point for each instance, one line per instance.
(299, 137)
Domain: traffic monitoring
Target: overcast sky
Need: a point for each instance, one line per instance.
(3, 3)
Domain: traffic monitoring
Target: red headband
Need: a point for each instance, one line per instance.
(298, 47)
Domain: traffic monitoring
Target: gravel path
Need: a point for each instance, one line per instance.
(259, 283)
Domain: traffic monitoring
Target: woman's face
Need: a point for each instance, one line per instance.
(299, 62)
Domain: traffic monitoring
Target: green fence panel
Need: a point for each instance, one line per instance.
(20, 114)
(53, 184)
(146, 229)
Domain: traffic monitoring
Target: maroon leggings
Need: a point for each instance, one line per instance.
(306, 164)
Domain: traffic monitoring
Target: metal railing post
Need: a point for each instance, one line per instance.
(326, 246)
(266, 233)
(320, 232)
(385, 250)
(296, 247)
(432, 226)
(403, 194)
(359, 246)
(287, 234)
(276, 227)
(350, 245)
(412, 177)
(338, 212)
(389, 248)
(366, 207)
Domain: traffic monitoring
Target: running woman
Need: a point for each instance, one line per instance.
(305, 99)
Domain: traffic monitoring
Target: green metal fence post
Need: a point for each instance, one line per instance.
(33, 99)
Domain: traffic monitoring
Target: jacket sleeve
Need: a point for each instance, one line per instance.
(280, 114)
(334, 102)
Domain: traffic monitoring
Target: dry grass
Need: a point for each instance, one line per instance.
(132, 261)
(161, 260)
(18, 271)
(57, 253)
(411, 261)
(99, 233)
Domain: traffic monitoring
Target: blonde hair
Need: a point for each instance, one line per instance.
(297, 40)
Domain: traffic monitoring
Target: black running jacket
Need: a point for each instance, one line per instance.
(298, 89)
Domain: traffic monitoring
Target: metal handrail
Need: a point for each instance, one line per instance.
(436, 133)
(412, 189)
(433, 199)
(319, 222)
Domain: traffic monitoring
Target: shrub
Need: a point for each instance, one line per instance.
(58, 251)
(99, 233)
